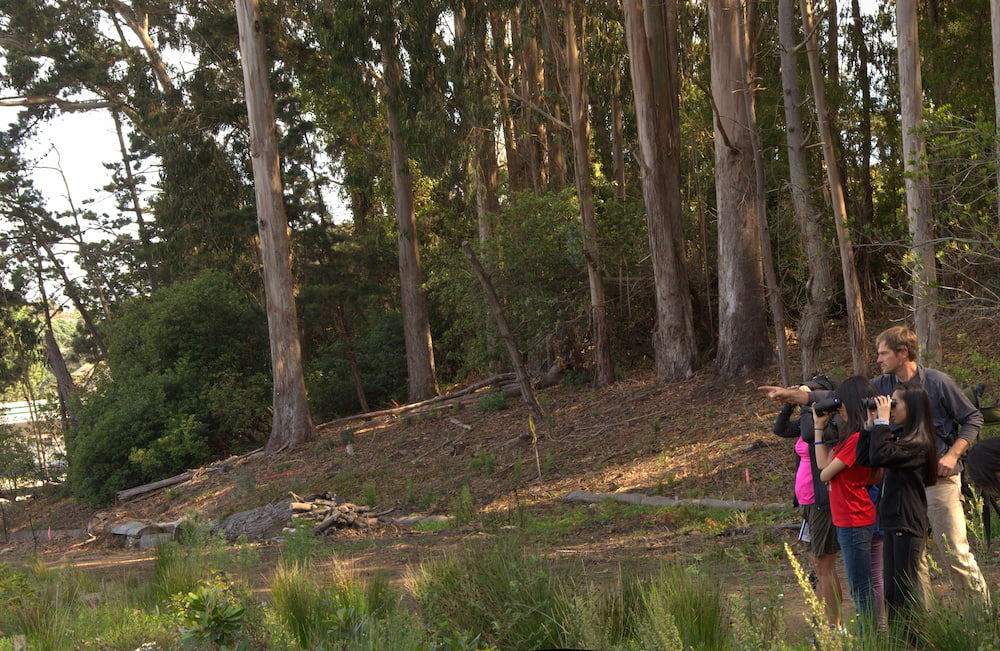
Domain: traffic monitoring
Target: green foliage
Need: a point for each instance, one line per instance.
(210, 615)
(381, 355)
(187, 383)
(537, 268)
(17, 462)
(495, 590)
(300, 543)
(298, 602)
(463, 508)
(493, 400)
(483, 462)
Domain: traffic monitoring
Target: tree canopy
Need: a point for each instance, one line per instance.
(406, 128)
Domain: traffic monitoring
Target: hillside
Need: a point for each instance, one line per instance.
(704, 437)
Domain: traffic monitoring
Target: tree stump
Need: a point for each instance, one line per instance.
(262, 523)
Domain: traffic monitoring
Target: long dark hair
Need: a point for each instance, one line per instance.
(918, 427)
(852, 393)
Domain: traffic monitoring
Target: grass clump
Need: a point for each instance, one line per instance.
(493, 590)
(493, 400)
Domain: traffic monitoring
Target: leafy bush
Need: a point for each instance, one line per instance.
(381, 357)
(210, 615)
(187, 381)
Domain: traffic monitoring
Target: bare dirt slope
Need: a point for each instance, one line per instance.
(703, 437)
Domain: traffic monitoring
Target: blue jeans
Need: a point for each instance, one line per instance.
(856, 547)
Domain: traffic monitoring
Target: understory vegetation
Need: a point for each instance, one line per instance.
(498, 590)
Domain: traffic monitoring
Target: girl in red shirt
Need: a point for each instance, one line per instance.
(850, 506)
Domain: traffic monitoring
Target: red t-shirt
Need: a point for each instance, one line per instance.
(850, 505)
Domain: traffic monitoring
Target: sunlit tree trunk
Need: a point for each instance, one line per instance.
(743, 341)
(918, 194)
(819, 285)
(651, 33)
(416, 317)
(291, 423)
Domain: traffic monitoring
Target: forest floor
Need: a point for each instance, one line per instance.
(701, 438)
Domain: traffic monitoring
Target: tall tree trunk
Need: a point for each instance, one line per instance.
(57, 363)
(866, 200)
(498, 28)
(605, 371)
(852, 292)
(743, 342)
(416, 318)
(531, 130)
(476, 99)
(618, 137)
(918, 194)
(995, 33)
(133, 189)
(651, 33)
(291, 424)
(747, 57)
(811, 325)
(555, 147)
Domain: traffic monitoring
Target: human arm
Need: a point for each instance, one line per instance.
(952, 409)
(883, 447)
(791, 396)
(823, 456)
(784, 426)
(832, 468)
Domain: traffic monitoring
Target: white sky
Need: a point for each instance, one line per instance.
(78, 144)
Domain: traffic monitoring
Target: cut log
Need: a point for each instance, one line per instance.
(258, 524)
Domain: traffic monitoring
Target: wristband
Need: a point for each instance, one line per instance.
(881, 421)
(819, 443)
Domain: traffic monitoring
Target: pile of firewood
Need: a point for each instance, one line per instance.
(331, 512)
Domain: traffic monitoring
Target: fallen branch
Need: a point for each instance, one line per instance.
(220, 466)
(395, 411)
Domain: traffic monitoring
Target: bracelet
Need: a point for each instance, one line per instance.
(819, 443)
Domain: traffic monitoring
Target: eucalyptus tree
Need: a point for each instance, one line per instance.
(918, 198)
(651, 30)
(291, 422)
(743, 340)
(807, 215)
(476, 100)
(855, 309)
(366, 43)
(580, 129)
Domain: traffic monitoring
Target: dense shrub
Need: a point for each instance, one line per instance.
(187, 381)
(381, 358)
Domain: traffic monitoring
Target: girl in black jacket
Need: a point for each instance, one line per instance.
(908, 453)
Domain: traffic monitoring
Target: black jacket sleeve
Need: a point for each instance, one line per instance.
(783, 425)
(887, 451)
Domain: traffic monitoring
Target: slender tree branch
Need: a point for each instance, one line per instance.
(513, 93)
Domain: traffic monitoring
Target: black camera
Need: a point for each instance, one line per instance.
(826, 406)
(869, 403)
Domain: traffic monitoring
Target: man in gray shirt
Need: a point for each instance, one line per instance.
(952, 410)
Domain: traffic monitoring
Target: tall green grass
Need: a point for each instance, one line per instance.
(491, 594)
(494, 590)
